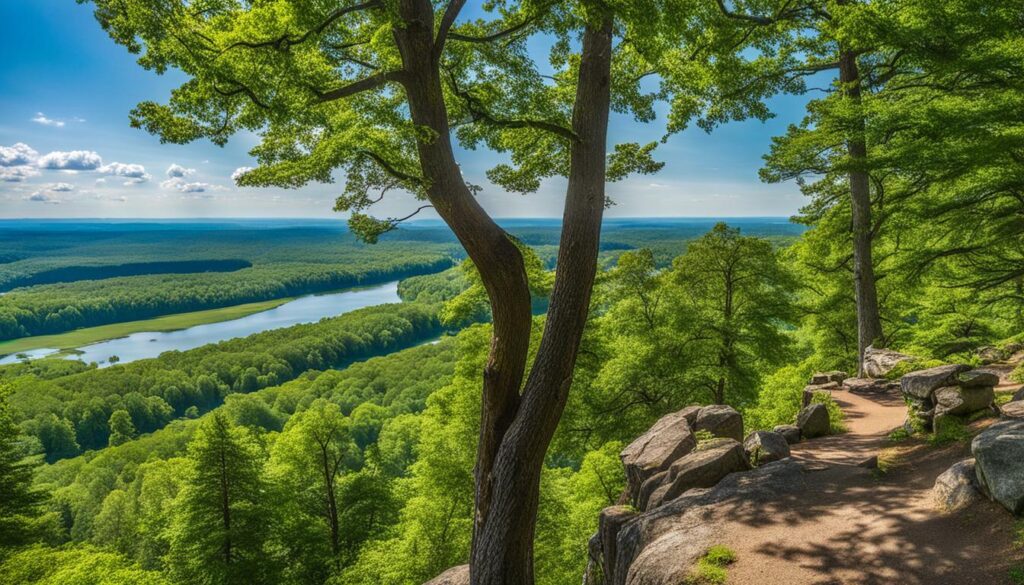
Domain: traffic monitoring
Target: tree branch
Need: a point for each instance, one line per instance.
(391, 170)
(451, 12)
(481, 115)
(365, 84)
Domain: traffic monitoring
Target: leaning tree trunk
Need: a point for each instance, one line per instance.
(495, 256)
(869, 322)
(502, 551)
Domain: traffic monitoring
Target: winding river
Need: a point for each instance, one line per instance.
(307, 309)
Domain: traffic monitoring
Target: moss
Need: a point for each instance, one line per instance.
(710, 569)
(1016, 575)
(703, 436)
(1003, 398)
(949, 429)
(898, 435)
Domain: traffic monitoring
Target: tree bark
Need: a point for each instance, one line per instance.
(496, 257)
(502, 551)
(869, 322)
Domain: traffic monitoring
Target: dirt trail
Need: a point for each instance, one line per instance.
(856, 526)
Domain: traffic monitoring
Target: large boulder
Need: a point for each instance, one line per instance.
(999, 455)
(702, 468)
(813, 421)
(765, 446)
(922, 383)
(721, 421)
(956, 488)
(960, 400)
(669, 439)
(879, 362)
(790, 432)
(989, 354)
(661, 546)
(978, 378)
(454, 576)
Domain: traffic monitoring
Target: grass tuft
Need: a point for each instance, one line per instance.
(710, 568)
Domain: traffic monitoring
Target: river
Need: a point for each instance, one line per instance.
(307, 309)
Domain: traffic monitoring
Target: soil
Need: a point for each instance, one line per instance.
(855, 525)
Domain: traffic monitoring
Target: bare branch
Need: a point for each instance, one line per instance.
(390, 169)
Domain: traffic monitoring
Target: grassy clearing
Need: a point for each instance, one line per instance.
(711, 567)
(80, 337)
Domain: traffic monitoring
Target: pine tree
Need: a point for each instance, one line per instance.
(19, 502)
(222, 523)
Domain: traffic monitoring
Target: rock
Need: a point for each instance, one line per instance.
(956, 488)
(990, 355)
(702, 468)
(810, 390)
(826, 377)
(813, 421)
(764, 447)
(963, 400)
(879, 362)
(978, 378)
(790, 432)
(1018, 396)
(646, 493)
(609, 523)
(661, 546)
(922, 383)
(669, 439)
(870, 385)
(999, 463)
(1013, 409)
(869, 463)
(454, 576)
(721, 421)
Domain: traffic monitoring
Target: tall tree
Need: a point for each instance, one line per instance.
(377, 89)
(738, 291)
(222, 524)
(313, 451)
(19, 501)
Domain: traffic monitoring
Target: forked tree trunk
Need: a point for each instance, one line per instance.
(503, 541)
(869, 322)
(515, 428)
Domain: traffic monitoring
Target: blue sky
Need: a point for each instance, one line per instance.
(66, 90)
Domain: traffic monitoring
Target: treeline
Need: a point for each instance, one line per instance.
(73, 273)
(56, 308)
(66, 415)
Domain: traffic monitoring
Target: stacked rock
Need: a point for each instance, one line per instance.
(954, 390)
(823, 382)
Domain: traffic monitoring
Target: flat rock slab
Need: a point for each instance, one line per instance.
(669, 439)
(870, 385)
(922, 383)
(1013, 409)
(454, 576)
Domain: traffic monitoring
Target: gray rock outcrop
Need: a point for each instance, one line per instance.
(953, 390)
(765, 446)
(721, 421)
(999, 463)
(702, 468)
(669, 439)
(879, 362)
(813, 421)
(870, 385)
(957, 487)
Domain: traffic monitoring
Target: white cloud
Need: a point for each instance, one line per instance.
(17, 174)
(181, 186)
(62, 187)
(136, 173)
(239, 172)
(42, 119)
(17, 155)
(101, 181)
(178, 171)
(75, 160)
(40, 197)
